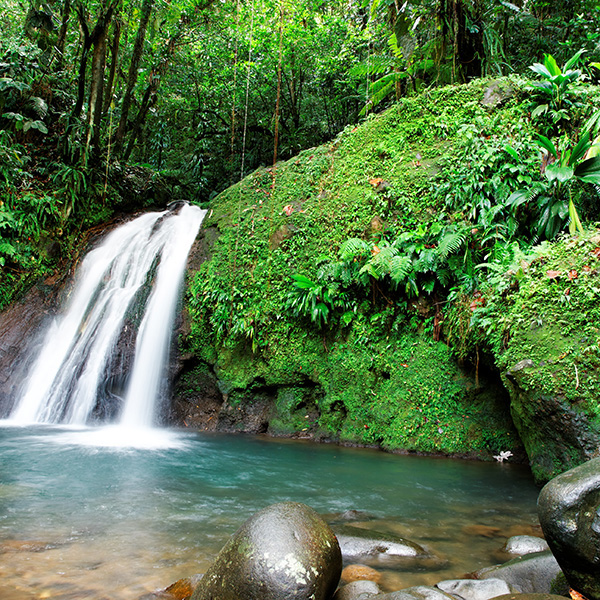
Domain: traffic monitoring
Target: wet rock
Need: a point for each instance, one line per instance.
(530, 597)
(360, 572)
(473, 589)
(418, 592)
(496, 94)
(245, 415)
(284, 551)
(357, 590)
(569, 512)
(525, 544)
(557, 433)
(530, 574)
(180, 590)
(361, 545)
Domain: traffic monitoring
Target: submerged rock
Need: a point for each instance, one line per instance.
(361, 545)
(569, 512)
(525, 544)
(357, 590)
(418, 592)
(360, 572)
(530, 597)
(180, 590)
(284, 551)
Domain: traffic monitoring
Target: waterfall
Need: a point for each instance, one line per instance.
(131, 282)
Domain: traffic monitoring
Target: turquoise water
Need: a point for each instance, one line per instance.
(112, 514)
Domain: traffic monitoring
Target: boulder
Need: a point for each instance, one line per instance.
(473, 589)
(569, 512)
(284, 551)
(357, 590)
(530, 574)
(558, 434)
(525, 544)
(530, 597)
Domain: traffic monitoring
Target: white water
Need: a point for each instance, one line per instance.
(64, 384)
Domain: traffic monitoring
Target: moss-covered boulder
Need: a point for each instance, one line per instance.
(370, 368)
(284, 551)
(546, 340)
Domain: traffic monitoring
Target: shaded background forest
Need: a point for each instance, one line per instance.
(109, 106)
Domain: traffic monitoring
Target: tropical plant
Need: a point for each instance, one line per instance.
(555, 194)
(319, 301)
(554, 89)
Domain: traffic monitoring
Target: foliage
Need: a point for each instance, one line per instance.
(556, 103)
(554, 194)
(318, 300)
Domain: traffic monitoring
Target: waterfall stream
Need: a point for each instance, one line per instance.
(116, 328)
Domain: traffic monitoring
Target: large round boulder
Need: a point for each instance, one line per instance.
(569, 513)
(284, 551)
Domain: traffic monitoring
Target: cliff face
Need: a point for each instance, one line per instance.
(366, 366)
(547, 345)
(376, 365)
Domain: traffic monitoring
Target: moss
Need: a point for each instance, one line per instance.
(378, 381)
(549, 323)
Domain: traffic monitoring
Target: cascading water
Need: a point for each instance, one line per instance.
(134, 276)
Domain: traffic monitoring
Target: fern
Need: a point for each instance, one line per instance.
(400, 269)
(353, 247)
(451, 243)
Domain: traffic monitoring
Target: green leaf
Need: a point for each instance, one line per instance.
(38, 125)
(542, 109)
(583, 145)
(551, 66)
(304, 283)
(573, 60)
(545, 143)
(575, 223)
(512, 152)
(589, 170)
(519, 197)
(541, 70)
(558, 172)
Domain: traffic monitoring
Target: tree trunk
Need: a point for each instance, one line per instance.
(96, 90)
(138, 48)
(114, 60)
(62, 35)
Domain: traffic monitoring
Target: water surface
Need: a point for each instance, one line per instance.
(113, 514)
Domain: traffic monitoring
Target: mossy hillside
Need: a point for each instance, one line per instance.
(286, 220)
(544, 329)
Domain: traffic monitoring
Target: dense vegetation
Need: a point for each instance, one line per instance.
(391, 231)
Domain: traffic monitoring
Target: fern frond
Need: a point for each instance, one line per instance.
(383, 259)
(400, 268)
(354, 247)
(451, 243)
(444, 276)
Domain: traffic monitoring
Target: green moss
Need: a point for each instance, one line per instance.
(377, 381)
(549, 322)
